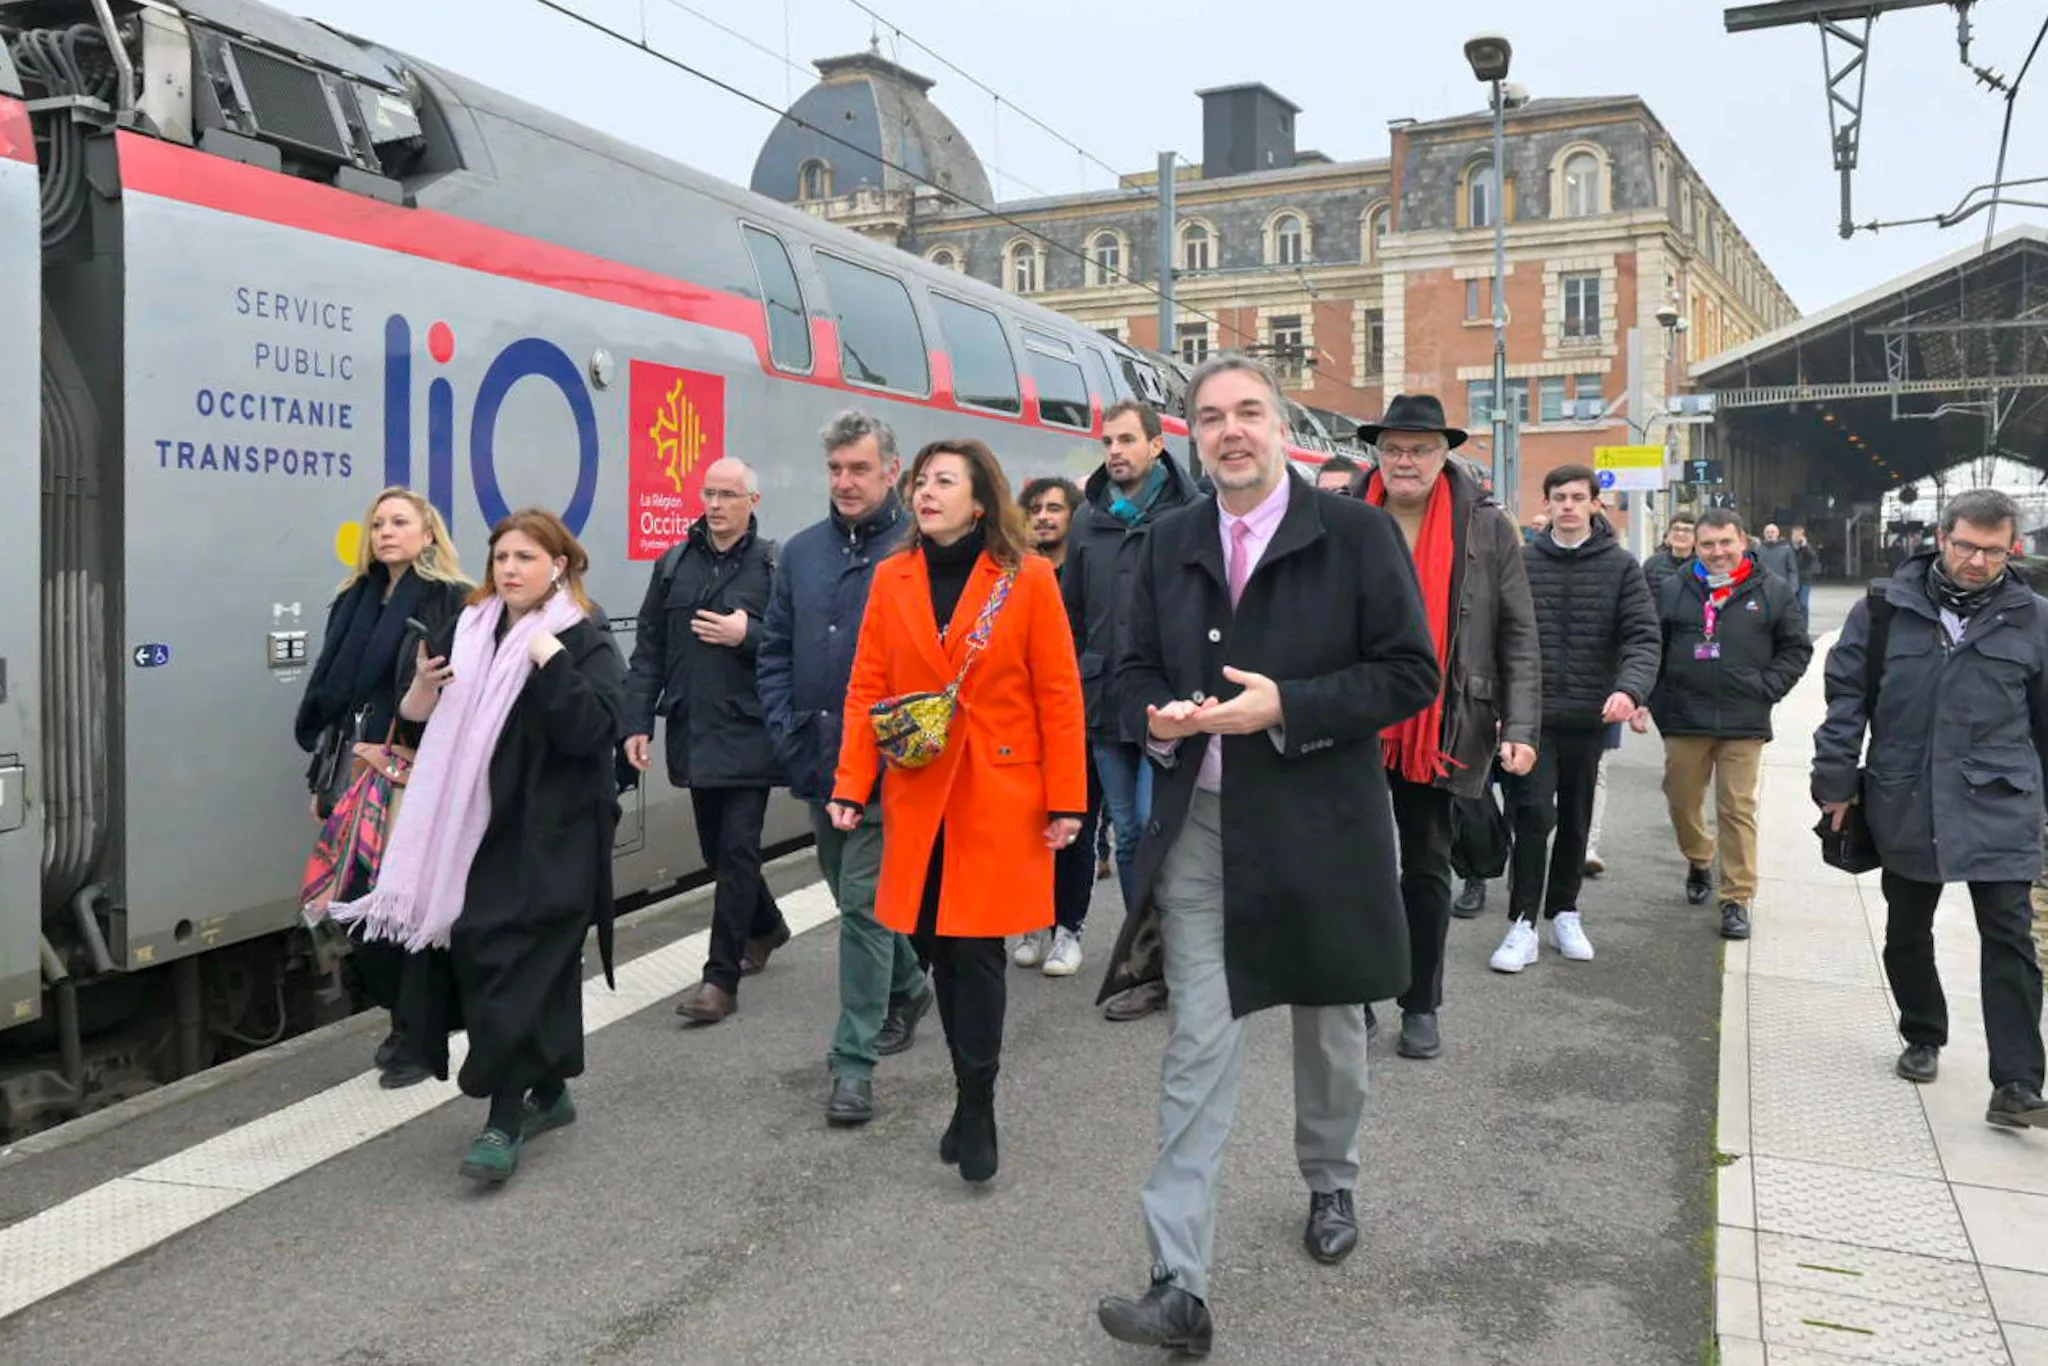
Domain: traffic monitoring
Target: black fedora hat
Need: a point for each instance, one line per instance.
(1412, 413)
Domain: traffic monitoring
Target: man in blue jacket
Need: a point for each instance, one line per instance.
(806, 661)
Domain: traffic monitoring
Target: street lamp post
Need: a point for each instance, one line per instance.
(1490, 55)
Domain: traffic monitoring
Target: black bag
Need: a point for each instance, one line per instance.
(334, 759)
(1851, 848)
(1480, 836)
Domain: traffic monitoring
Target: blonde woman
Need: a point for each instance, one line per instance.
(406, 567)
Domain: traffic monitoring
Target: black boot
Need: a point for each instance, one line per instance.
(949, 1141)
(976, 1142)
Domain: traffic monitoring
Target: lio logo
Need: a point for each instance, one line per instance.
(532, 359)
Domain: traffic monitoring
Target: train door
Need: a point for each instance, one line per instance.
(21, 825)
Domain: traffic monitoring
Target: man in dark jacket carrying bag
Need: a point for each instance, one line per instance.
(1600, 642)
(1952, 786)
(807, 647)
(1475, 595)
(1262, 677)
(1734, 644)
(693, 664)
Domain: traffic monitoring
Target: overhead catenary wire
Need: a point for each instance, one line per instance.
(990, 211)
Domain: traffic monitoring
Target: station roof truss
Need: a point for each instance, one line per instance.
(1945, 364)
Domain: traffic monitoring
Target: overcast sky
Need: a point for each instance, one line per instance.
(1118, 76)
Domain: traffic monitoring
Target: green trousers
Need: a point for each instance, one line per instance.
(876, 964)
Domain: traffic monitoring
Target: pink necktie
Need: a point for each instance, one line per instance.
(1240, 559)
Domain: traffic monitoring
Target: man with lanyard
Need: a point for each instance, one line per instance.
(1734, 644)
(1475, 595)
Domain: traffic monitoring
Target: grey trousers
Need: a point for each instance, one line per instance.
(1204, 1066)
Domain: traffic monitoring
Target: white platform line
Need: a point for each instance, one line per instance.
(117, 1219)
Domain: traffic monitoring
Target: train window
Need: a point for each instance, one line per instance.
(789, 328)
(984, 371)
(1098, 372)
(880, 342)
(1062, 392)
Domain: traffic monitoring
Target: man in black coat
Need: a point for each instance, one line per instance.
(806, 661)
(1600, 645)
(693, 664)
(1262, 677)
(1734, 644)
(1475, 595)
(1137, 483)
(1674, 556)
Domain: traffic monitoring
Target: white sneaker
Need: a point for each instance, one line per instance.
(1518, 950)
(1031, 949)
(1065, 958)
(1570, 937)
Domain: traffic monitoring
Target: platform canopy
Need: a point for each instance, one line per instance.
(1942, 365)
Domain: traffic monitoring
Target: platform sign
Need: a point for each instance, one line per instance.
(1625, 469)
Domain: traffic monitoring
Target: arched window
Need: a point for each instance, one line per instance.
(1479, 205)
(814, 179)
(1023, 267)
(1375, 231)
(1289, 240)
(1581, 185)
(945, 258)
(1105, 258)
(1197, 246)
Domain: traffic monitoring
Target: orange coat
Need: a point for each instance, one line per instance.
(1017, 749)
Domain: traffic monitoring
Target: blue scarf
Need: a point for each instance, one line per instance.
(1131, 512)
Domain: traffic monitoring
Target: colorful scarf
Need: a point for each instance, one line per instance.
(1414, 747)
(447, 806)
(1720, 587)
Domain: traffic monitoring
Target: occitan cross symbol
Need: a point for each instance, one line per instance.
(678, 435)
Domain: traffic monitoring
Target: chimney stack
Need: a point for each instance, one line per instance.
(1246, 128)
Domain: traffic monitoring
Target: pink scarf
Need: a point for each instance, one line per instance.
(419, 891)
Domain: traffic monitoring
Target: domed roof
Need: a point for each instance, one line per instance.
(880, 108)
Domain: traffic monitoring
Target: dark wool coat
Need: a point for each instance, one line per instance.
(707, 694)
(1331, 613)
(1952, 783)
(512, 973)
(1764, 650)
(1598, 625)
(329, 700)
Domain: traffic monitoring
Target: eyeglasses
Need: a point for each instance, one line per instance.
(1409, 452)
(725, 496)
(1990, 554)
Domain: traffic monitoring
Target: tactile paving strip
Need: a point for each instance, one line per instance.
(1814, 949)
(1867, 1330)
(1869, 1209)
(1868, 1273)
(1821, 1085)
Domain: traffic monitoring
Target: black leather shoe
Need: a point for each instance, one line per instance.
(2016, 1105)
(1166, 1316)
(1135, 1003)
(1332, 1227)
(1919, 1062)
(899, 1026)
(402, 1072)
(977, 1141)
(1699, 885)
(852, 1102)
(1734, 920)
(388, 1050)
(1471, 899)
(1419, 1038)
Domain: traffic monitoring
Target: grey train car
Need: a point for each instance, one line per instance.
(270, 268)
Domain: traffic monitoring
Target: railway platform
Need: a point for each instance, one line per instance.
(1542, 1193)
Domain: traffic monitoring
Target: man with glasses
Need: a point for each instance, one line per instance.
(1468, 560)
(693, 663)
(1951, 787)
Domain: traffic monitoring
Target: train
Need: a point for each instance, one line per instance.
(253, 269)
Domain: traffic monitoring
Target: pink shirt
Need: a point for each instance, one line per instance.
(1263, 521)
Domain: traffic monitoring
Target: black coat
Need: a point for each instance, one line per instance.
(512, 973)
(1952, 783)
(1763, 651)
(707, 693)
(1332, 613)
(330, 700)
(1660, 567)
(1102, 555)
(1598, 625)
(808, 639)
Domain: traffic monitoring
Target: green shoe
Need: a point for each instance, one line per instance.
(493, 1157)
(539, 1121)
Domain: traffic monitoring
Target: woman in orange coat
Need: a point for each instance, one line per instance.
(967, 854)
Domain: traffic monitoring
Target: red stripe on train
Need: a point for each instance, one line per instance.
(17, 135)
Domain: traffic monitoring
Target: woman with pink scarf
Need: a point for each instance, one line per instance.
(500, 858)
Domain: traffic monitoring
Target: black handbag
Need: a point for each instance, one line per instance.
(1481, 839)
(1851, 848)
(334, 759)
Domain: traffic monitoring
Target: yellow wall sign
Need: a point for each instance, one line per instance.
(1624, 469)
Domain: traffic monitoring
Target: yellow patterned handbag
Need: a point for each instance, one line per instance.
(911, 728)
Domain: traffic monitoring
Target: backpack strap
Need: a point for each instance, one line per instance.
(1881, 611)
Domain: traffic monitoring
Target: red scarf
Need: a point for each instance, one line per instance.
(1414, 747)
(1717, 598)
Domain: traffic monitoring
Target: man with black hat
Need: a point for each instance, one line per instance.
(1482, 622)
